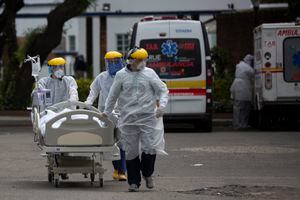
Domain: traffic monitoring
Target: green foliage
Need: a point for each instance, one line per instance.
(83, 88)
(15, 89)
(223, 80)
(222, 101)
(8, 102)
(221, 61)
(30, 36)
(90, 71)
(83, 92)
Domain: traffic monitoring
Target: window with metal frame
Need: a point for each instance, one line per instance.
(72, 43)
(122, 42)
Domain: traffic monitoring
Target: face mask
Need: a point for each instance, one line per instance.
(114, 67)
(59, 73)
(141, 65)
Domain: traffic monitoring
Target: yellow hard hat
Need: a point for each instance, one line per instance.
(57, 61)
(138, 53)
(112, 55)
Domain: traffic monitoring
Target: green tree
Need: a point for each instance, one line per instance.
(17, 83)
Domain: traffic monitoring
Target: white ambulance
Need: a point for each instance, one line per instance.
(277, 77)
(179, 53)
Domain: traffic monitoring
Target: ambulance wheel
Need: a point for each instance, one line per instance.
(264, 120)
(208, 126)
(260, 120)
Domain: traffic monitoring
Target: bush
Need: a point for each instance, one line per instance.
(83, 88)
(222, 80)
(222, 101)
(221, 61)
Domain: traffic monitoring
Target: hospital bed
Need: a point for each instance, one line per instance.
(76, 140)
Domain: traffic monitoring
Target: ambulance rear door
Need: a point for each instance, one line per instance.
(288, 57)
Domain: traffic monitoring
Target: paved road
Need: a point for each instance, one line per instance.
(223, 164)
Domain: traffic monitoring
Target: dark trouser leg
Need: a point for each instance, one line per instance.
(246, 109)
(133, 171)
(120, 165)
(147, 164)
(116, 164)
(122, 162)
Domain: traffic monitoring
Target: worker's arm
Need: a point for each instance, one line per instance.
(94, 92)
(42, 83)
(113, 95)
(160, 89)
(73, 89)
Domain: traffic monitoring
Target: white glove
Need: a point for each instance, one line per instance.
(88, 103)
(159, 112)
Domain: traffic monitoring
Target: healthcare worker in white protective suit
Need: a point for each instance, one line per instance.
(242, 92)
(136, 87)
(100, 88)
(62, 87)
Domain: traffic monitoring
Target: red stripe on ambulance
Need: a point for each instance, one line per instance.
(187, 92)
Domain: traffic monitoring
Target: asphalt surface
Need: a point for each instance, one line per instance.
(223, 164)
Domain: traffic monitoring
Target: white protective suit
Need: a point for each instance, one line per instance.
(100, 88)
(242, 92)
(61, 89)
(242, 86)
(137, 93)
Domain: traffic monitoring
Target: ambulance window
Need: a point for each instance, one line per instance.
(291, 59)
(174, 58)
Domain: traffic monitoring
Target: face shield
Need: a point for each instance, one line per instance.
(137, 63)
(57, 70)
(114, 65)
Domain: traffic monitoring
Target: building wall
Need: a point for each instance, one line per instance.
(118, 25)
(115, 25)
(171, 5)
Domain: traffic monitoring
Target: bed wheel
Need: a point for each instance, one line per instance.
(56, 183)
(101, 182)
(50, 177)
(92, 178)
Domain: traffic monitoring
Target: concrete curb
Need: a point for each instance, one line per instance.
(15, 121)
(26, 121)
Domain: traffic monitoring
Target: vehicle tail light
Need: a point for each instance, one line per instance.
(208, 96)
(267, 64)
(268, 80)
(209, 83)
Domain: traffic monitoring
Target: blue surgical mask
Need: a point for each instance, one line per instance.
(114, 67)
